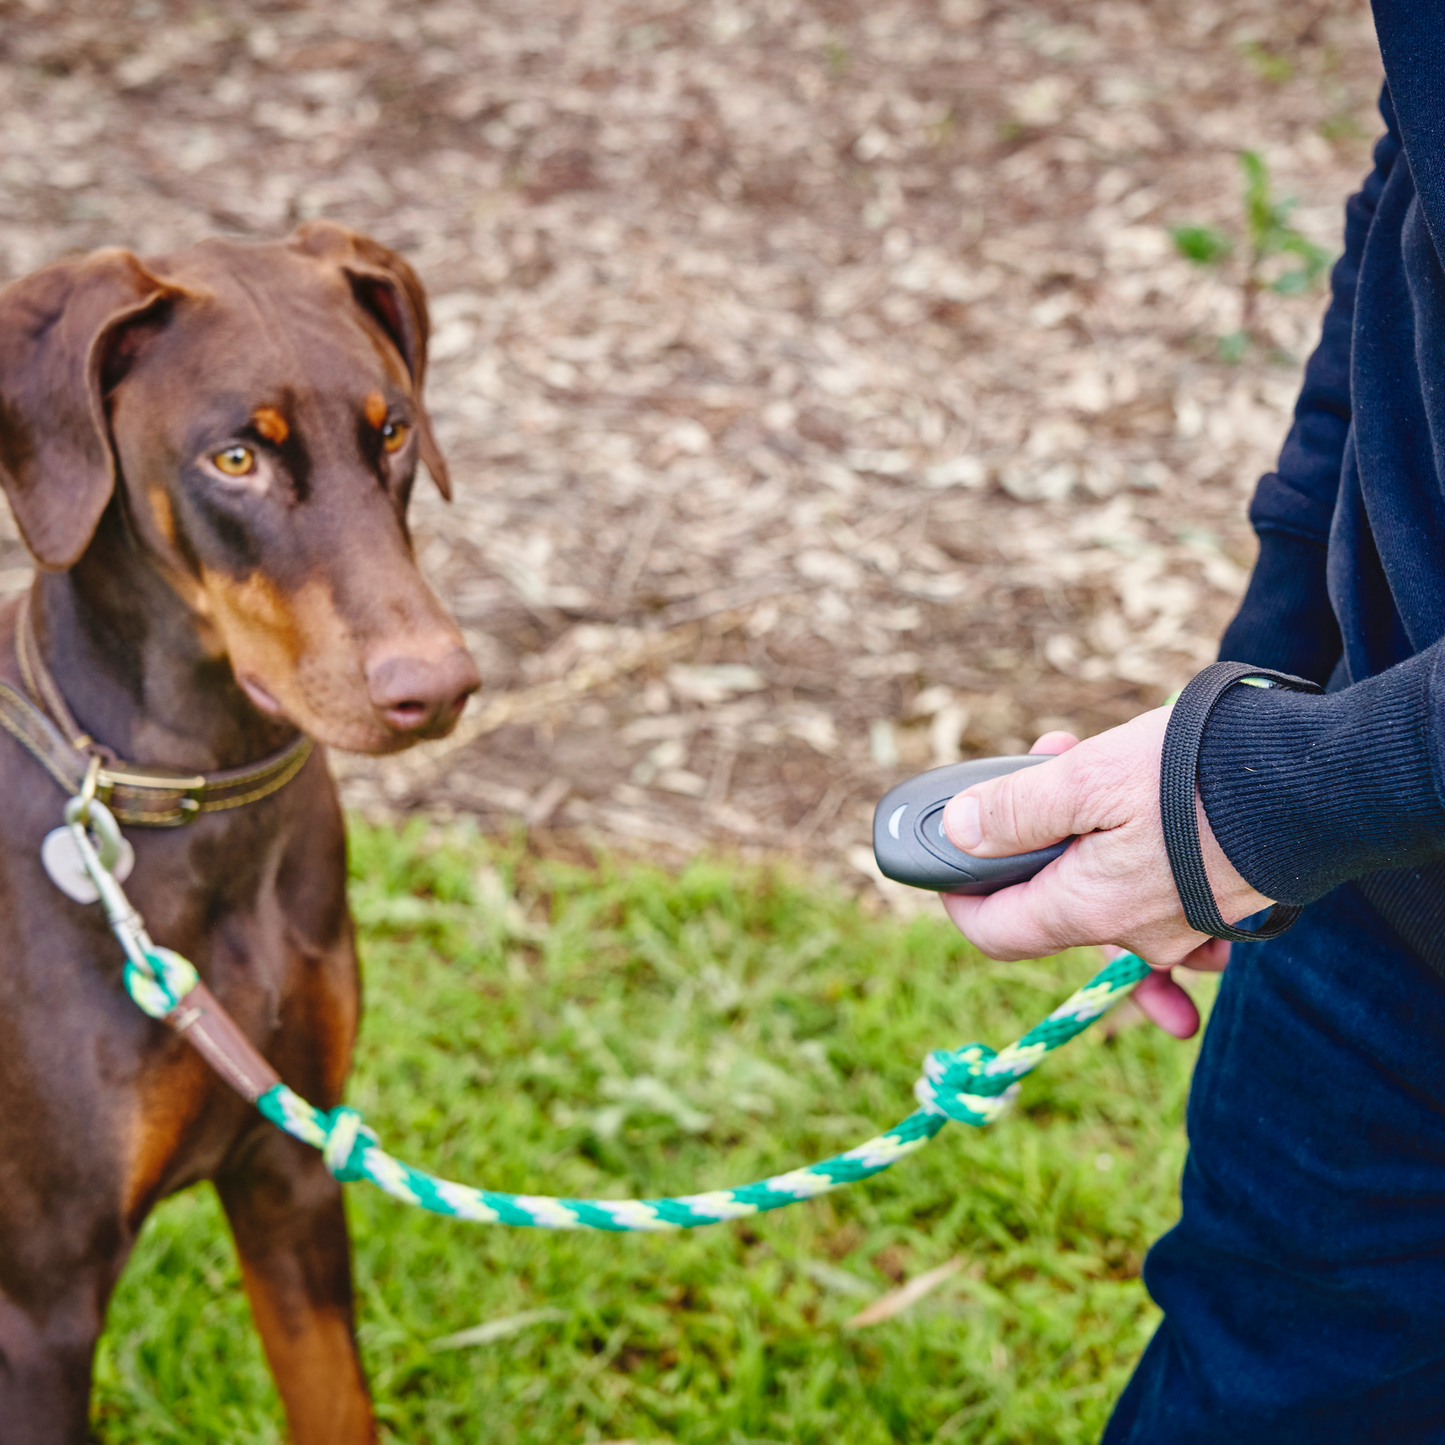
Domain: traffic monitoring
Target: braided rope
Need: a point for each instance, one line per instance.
(971, 1084)
(169, 979)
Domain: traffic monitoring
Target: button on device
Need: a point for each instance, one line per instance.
(930, 832)
(922, 856)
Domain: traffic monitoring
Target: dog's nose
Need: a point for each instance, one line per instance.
(419, 695)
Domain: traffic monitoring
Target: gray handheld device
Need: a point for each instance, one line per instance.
(911, 846)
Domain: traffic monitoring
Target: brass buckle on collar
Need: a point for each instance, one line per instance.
(185, 788)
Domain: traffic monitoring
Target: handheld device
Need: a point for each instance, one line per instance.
(911, 846)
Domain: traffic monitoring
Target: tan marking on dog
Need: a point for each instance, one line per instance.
(376, 408)
(161, 511)
(335, 1017)
(255, 616)
(170, 1103)
(271, 424)
(299, 648)
(312, 1358)
(173, 569)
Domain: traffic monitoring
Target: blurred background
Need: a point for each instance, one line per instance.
(831, 389)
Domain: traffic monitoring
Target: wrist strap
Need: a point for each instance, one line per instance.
(1178, 781)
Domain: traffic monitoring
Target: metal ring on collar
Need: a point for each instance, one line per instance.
(99, 821)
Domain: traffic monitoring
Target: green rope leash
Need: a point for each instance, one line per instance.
(972, 1084)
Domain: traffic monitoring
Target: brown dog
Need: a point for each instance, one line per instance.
(209, 455)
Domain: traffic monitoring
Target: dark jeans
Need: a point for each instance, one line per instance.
(1303, 1288)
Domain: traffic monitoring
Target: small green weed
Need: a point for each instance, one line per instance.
(1202, 244)
(1270, 234)
(1277, 256)
(621, 1030)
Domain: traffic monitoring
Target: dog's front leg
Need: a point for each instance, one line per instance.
(286, 1215)
(45, 1359)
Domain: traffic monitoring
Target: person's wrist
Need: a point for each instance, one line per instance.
(1235, 896)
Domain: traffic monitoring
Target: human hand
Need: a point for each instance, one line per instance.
(1114, 885)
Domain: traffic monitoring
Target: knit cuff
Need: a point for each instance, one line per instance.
(1306, 792)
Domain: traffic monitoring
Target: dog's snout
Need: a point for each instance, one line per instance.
(416, 694)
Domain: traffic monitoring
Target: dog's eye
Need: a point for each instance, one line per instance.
(235, 461)
(394, 435)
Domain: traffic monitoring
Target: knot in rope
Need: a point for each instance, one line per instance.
(347, 1140)
(170, 979)
(966, 1084)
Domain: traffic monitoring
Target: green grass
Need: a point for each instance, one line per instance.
(541, 1027)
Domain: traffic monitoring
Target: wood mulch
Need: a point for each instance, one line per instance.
(824, 392)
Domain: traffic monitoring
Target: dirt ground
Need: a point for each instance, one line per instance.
(823, 391)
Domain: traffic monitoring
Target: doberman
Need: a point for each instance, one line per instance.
(209, 455)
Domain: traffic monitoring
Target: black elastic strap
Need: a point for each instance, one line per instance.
(1178, 781)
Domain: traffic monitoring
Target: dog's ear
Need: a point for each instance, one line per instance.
(65, 340)
(388, 290)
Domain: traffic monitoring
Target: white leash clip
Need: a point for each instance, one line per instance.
(65, 860)
(92, 838)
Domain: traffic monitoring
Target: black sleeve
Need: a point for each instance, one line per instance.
(1285, 621)
(1306, 792)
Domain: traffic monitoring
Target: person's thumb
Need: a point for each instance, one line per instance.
(1017, 813)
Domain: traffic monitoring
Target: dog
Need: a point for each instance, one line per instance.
(209, 455)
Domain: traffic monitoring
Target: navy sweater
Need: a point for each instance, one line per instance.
(1307, 792)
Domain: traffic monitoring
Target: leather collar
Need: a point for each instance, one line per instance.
(154, 797)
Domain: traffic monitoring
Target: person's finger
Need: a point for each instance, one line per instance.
(1162, 1001)
(1092, 786)
(1054, 743)
(1211, 957)
(1016, 813)
(1014, 923)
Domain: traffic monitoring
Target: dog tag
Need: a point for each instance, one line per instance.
(62, 861)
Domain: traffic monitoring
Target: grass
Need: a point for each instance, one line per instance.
(547, 1028)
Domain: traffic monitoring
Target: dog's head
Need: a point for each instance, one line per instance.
(254, 412)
